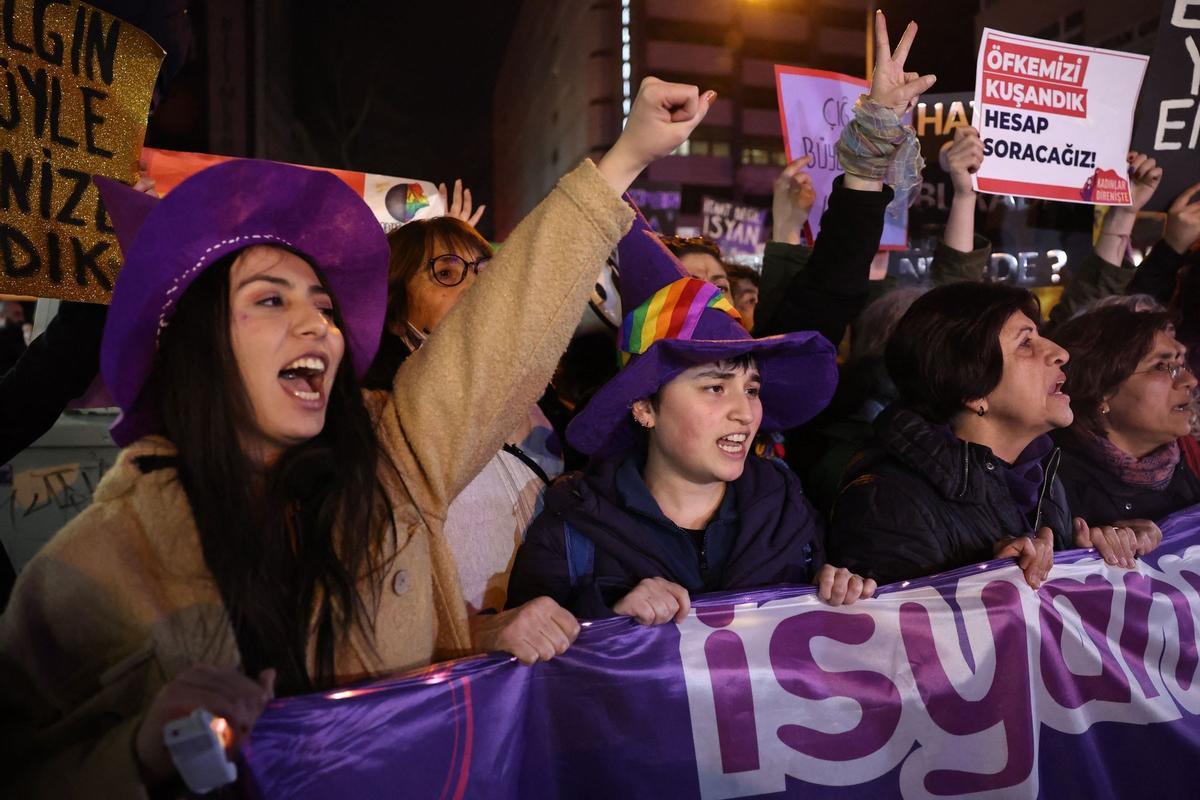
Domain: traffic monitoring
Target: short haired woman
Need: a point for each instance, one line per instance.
(961, 469)
(671, 504)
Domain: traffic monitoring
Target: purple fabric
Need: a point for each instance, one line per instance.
(959, 683)
(216, 212)
(1153, 471)
(799, 370)
(1026, 475)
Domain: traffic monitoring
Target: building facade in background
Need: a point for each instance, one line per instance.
(572, 69)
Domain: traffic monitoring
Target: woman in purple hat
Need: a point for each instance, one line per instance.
(267, 527)
(670, 505)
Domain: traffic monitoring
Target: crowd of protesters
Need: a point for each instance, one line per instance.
(341, 458)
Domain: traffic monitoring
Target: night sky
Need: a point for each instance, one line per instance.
(432, 65)
(430, 68)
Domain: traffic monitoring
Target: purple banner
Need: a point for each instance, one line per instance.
(964, 683)
(659, 207)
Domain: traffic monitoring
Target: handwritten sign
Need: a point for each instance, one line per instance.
(1168, 123)
(74, 100)
(814, 107)
(1055, 119)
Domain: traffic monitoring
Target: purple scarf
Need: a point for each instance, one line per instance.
(1153, 472)
(1025, 475)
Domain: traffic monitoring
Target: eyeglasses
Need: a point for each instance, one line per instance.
(1172, 369)
(451, 270)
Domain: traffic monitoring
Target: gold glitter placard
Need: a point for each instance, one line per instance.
(75, 90)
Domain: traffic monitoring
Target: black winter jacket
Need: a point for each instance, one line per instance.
(917, 502)
(826, 291)
(1102, 498)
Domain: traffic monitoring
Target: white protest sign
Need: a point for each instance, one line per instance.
(1055, 119)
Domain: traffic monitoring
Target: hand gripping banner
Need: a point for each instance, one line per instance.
(966, 683)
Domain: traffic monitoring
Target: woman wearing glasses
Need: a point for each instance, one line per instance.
(432, 265)
(1127, 457)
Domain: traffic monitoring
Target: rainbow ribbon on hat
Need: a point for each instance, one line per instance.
(670, 313)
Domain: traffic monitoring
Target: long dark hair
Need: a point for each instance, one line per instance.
(290, 546)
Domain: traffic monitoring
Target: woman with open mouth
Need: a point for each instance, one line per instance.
(268, 527)
(673, 503)
(1128, 457)
(961, 469)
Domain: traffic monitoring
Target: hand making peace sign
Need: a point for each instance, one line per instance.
(891, 86)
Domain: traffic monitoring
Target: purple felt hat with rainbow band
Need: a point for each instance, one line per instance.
(216, 212)
(673, 322)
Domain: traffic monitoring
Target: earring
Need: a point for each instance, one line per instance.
(1104, 409)
(981, 411)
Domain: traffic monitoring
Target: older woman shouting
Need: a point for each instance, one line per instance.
(1128, 458)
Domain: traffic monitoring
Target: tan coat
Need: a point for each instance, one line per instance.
(120, 601)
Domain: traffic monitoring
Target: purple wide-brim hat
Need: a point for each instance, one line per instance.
(799, 374)
(216, 212)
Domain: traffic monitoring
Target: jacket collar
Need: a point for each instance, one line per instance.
(635, 495)
(965, 471)
(126, 473)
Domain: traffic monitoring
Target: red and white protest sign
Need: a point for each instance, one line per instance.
(1055, 119)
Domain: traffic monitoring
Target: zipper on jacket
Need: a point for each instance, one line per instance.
(966, 457)
(1051, 471)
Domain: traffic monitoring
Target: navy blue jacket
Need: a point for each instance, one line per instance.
(765, 533)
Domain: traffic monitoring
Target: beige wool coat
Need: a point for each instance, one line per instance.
(120, 601)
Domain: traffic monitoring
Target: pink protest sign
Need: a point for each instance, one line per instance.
(814, 106)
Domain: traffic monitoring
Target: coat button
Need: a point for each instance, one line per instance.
(990, 465)
(1129, 506)
(400, 582)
